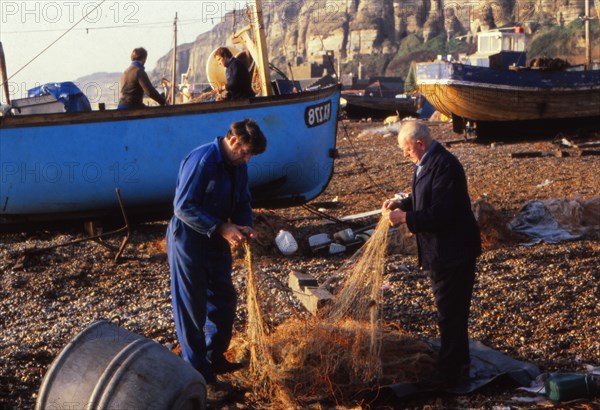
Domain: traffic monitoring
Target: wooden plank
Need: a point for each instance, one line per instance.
(537, 154)
(526, 154)
(361, 215)
(591, 144)
(299, 281)
(458, 141)
(312, 297)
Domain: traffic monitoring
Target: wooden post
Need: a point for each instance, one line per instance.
(4, 75)
(588, 48)
(263, 63)
(174, 73)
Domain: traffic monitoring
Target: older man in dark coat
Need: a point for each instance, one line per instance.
(439, 212)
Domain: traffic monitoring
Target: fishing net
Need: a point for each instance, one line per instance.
(262, 366)
(342, 353)
(360, 298)
(208, 96)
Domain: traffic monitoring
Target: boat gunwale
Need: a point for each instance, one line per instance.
(457, 72)
(38, 120)
(472, 84)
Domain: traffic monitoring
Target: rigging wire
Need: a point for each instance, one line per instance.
(363, 167)
(55, 41)
(520, 24)
(327, 216)
(143, 26)
(335, 74)
(360, 163)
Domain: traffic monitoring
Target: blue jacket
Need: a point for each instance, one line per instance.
(439, 213)
(209, 194)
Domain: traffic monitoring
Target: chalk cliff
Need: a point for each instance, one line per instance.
(359, 30)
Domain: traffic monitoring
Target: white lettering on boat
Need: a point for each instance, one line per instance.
(317, 114)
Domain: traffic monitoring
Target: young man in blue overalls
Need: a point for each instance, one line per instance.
(211, 214)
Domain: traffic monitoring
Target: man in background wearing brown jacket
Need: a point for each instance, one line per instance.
(135, 82)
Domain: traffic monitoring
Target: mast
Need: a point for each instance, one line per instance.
(263, 63)
(4, 75)
(588, 48)
(174, 72)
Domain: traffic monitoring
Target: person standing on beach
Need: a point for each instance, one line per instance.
(439, 212)
(239, 82)
(212, 214)
(135, 82)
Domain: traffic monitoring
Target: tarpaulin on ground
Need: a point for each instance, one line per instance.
(556, 220)
(67, 93)
(486, 366)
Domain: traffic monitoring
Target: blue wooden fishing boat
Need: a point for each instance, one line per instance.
(493, 90)
(71, 163)
(68, 164)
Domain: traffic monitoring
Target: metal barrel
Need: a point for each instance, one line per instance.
(106, 367)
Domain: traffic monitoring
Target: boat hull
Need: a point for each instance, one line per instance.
(58, 164)
(361, 106)
(481, 94)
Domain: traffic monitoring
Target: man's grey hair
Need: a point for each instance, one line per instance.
(415, 130)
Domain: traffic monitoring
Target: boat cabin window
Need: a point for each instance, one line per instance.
(494, 42)
(513, 43)
(489, 44)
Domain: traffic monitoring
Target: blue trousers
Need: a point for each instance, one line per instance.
(203, 296)
(453, 288)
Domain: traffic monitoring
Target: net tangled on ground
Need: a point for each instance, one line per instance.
(263, 368)
(344, 353)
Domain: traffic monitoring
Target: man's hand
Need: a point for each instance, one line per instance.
(235, 234)
(397, 217)
(394, 202)
(248, 232)
(390, 204)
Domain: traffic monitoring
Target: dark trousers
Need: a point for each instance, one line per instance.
(203, 296)
(453, 288)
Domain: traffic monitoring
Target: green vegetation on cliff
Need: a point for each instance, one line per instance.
(564, 42)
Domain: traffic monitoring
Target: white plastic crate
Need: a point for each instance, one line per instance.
(45, 104)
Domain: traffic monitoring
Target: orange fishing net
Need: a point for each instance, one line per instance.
(343, 352)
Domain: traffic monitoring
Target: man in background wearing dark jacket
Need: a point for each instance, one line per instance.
(439, 212)
(135, 82)
(239, 82)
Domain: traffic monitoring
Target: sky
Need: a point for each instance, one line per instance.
(94, 36)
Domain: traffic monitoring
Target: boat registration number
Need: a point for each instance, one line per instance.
(317, 114)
